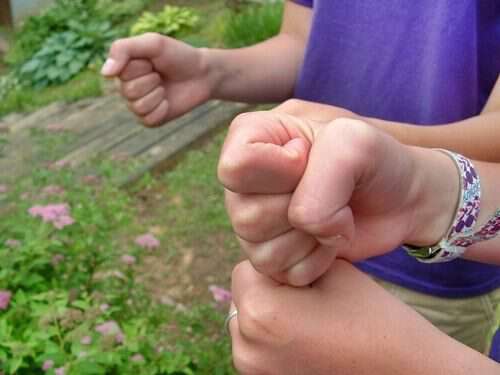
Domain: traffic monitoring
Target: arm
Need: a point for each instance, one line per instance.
(353, 326)
(163, 78)
(267, 71)
(477, 137)
(336, 189)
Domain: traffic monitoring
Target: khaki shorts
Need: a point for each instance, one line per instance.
(468, 320)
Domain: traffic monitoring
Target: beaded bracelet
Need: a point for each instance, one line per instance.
(461, 234)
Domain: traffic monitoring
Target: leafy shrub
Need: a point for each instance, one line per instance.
(65, 54)
(68, 300)
(36, 29)
(171, 21)
(118, 11)
(8, 83)
(252, 24)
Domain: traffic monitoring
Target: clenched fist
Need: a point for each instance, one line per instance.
(160, 77)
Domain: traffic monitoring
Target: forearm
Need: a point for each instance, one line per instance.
(427, 352)
(265, 72)
(476, 137)
(436, 184)
(262, 73)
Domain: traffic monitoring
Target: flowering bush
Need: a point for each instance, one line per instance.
(70, 302)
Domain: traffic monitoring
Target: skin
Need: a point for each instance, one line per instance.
(323, 190)
(327, 329)
(289, 174)
(162, 78)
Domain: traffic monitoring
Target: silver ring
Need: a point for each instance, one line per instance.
(229, 316)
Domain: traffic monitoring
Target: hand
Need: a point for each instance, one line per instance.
(344, 323)
(160, 77)
(300, 192)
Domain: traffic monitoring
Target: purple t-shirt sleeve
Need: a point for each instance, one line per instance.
(306, 3)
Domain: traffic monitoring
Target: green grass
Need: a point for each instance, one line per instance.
(86, 84)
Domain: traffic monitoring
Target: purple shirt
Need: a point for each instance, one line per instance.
(423, 62)
(495, 347)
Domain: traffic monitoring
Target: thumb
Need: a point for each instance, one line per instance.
(320, 205)
(148, 46)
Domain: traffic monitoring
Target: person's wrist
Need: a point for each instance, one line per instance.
(211, 71)
(436, 188)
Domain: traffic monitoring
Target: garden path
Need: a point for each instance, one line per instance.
(74, 134)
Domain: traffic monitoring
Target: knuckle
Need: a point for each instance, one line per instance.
(130, 90)
(118, 45)
(246, 219)
(256, 323)
(291, 104)
(155, 40)
(138, 107)
(230, 170)
(263, 261)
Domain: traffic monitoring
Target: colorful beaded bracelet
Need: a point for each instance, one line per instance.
(461, 234)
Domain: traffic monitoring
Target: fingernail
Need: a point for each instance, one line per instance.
(108, 67)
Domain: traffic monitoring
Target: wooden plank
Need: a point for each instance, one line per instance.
(96, 113)
(121, 129)
(149, 137)
(153, 158)
(39, 118)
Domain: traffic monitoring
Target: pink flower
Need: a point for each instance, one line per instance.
(12, 243)
(128, 259)
(47, 365)
(5, 297)
(59, 371)
(3, 189)
(53, 190)
(56, 259)
(86, 340)
(103, 307)
(57, 214)
(63, 221)
(137, 358)
(108, 328)
(220, 295)
(147, 241)
(120, 338)
(111, 328)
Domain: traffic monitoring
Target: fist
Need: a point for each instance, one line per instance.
(300, 192)
(161, 78)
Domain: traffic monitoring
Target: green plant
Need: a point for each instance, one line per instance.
(69, 300)
(252, 24)
(36, 29)
(65, 54)
(22, 99)
(171, 21)
(120, 11)
(8, 83)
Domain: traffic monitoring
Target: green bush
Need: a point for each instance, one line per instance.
(119, 11)
(69, 301)
(170, 21)
(65, 54)
(252, 24)
(33, 33)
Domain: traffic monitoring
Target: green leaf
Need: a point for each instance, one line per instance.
(30, 66)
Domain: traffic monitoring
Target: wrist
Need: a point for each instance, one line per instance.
(434, 203)
(212, 71)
